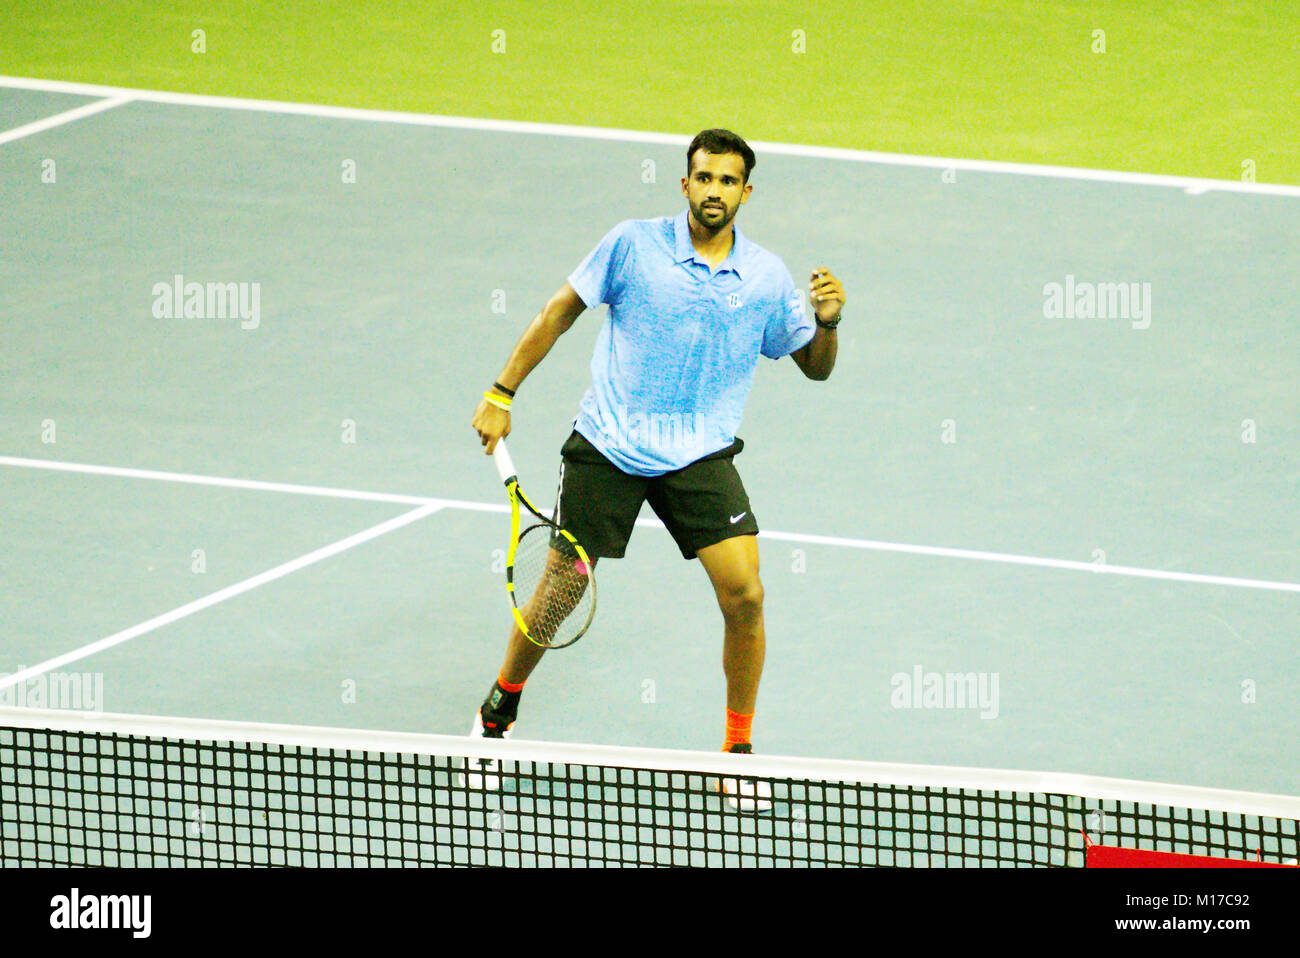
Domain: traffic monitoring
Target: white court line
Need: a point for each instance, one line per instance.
(67, 116)
(868, 544)
(1190, 185)
(199, 480)
(1096, 568)
(221, 595)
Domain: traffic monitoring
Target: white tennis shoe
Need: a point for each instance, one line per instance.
(483, 773)
(746, 795)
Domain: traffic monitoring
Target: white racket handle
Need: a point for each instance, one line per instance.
(506, 468)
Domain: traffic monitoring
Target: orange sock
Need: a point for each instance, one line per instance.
(509, 686)
(738, 729)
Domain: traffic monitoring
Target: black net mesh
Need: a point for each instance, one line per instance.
(115, 799)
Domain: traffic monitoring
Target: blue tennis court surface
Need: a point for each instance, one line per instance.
(394, 265)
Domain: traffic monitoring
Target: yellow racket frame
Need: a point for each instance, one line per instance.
(508, 475)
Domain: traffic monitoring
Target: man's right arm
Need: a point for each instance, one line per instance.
(493, 423)
(547, 326)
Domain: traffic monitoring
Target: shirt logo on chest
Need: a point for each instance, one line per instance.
(733, 301)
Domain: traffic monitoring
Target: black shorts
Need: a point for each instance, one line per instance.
(701, 504)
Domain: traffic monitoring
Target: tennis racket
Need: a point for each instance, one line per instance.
(549, 578)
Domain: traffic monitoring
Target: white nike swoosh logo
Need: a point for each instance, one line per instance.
(735, 519)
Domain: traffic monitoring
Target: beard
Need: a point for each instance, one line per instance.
(713, 219)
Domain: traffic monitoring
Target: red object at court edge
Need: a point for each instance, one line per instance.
(1109, 856)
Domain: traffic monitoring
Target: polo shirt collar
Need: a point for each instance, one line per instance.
(685, 251)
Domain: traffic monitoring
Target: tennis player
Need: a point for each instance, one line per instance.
(693, 303)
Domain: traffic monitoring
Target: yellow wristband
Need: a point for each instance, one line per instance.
(501, 402)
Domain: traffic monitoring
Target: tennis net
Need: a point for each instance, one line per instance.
(83, 789)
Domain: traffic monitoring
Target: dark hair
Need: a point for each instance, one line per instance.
(720, 141)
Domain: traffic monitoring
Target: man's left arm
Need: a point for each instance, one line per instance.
(817, 358)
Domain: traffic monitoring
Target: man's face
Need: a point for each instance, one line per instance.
(716, 188)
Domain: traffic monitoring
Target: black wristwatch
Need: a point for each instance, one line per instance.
(830, 325)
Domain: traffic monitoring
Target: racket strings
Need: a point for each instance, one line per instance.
(552, 587)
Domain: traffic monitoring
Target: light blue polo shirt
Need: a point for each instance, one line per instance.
(675, 358)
